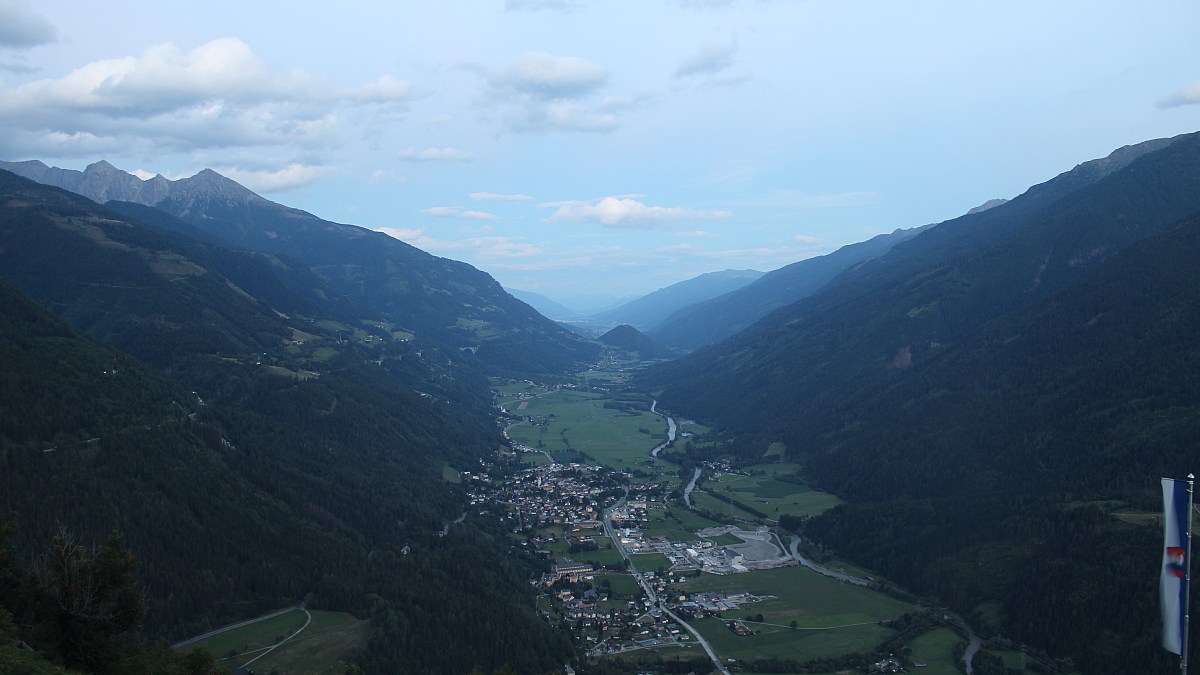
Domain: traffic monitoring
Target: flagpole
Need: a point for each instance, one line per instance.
(1187, 580)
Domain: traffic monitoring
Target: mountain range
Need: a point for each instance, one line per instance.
(650, 310)
(709, 321)
(438, 301)
(988, 390)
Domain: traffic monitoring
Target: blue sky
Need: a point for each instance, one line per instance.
(607, 147)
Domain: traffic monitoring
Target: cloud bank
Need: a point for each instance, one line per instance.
(22, 28)
(541, 92)
(217, 95)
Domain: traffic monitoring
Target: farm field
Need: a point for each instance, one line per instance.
(832, 618)
(764, 492)
(573, 423)
(678, 524)
(803, 596)
(784, 642)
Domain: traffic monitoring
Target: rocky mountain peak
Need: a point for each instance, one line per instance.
(102, 182)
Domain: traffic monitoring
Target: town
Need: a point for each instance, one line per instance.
(586, 521)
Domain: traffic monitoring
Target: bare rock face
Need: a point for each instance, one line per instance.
(102, 182)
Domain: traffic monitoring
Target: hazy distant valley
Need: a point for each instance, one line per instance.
(939, 440)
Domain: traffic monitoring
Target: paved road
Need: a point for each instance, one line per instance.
(232, 626)
(651, 595)
(277, 644)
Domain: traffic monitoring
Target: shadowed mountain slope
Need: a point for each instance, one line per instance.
(713, 320)
(650, 310)
(442, 302)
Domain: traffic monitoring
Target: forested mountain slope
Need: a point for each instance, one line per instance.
(445, 303)
(710, 321)
(983, 392)
(286, 460)
(878, 322)
(1084, 398)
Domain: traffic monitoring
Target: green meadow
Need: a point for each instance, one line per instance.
(329, 638)
(763, 491)
(936, 650)
(568, 421)
(832, 618)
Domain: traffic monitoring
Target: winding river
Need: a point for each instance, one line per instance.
(671, 429)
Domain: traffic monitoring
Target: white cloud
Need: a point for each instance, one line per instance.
(276, 180)
(22, 28)
(712, 58)
(219, 94)
(437, 155)
(1189, 94)
(165, 79)
(559, 116)
(806, 239)
(541, 92)
(493, 197)
(458, 212)
(547, 76)
(386, 89)
(380, 176)
(626, 213)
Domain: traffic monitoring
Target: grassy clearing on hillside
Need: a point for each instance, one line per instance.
(332, 637)
(254, 636)
(329, 638)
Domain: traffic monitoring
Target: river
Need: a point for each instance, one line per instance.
(671, 429)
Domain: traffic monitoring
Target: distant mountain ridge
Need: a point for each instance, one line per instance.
(711, 321)
(444, 301)
(545, 306)
(650, 310)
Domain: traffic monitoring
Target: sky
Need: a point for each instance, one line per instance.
(604, 148)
